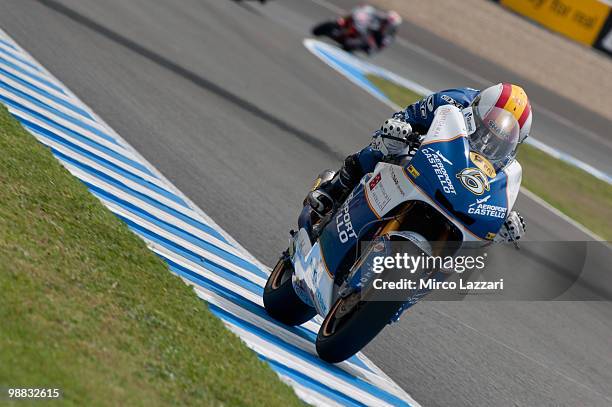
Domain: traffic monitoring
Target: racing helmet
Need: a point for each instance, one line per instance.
(502, 116)
(394, 19)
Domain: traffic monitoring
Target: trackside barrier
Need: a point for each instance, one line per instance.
(588, 22)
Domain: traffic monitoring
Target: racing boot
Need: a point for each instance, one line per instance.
(326, 195)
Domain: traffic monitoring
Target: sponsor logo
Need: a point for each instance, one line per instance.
(440, 170)
(315, 271)
(430, 103)
(378, 193)
(470, 123)
(446, 160)
(344, 225)
(480, 207)
(426, 104)
(474, 180)
(423, 109)
(349, 198)
(580, 20)
(374, 181)
(413, 171)
(301, 289)
(451, 101)
(484, 164)
(396, 181)
(483, 200)
(498, 130)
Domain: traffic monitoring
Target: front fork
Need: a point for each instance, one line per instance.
(355, 279)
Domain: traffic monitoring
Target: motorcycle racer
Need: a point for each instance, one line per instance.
(376, 28)
(495, 138)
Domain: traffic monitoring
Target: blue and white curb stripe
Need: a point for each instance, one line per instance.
(221, 271)
(355, 70)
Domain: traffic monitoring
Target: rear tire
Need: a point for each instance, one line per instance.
(280, 300)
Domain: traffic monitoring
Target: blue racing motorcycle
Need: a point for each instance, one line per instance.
(444, 193)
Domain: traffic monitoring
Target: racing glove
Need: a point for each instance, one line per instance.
(512, 230)
(395, 137)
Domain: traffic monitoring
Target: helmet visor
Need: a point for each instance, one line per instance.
(496, 135)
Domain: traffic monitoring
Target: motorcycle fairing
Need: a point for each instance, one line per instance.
(444, 156)
(312, 281)
(338, 238)
(389, 185)
(463, 183)
(379, 192)
(464, 192)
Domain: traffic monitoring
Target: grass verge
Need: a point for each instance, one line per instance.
(85, 306)
(397, 94)
(573, 191)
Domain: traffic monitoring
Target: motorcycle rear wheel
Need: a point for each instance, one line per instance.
(279, 298)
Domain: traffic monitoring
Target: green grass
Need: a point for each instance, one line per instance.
(573, 191)
(397, 94)
(87, 308)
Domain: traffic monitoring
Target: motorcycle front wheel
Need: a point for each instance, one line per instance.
(352, 324)
(279, 298)
(326, 29)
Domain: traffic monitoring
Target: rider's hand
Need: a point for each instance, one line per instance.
(394, 137)
(513, 229)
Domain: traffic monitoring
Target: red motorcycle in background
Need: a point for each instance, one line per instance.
(366, 29)
(344, 32)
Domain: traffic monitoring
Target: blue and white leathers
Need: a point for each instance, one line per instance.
(420, 116)
(461, 185)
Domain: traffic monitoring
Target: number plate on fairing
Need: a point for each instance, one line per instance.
(387, 188)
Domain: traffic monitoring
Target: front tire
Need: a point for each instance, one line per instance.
(326, 29)
(279, 298)
(356, 319)
(352, 324)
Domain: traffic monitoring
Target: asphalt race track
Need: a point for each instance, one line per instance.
(224, 100)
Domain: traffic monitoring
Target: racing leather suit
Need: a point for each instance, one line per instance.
(413, 121)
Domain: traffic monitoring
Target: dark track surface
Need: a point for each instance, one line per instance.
(223, 98)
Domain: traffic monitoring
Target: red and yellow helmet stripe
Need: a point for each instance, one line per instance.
(514, 99)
